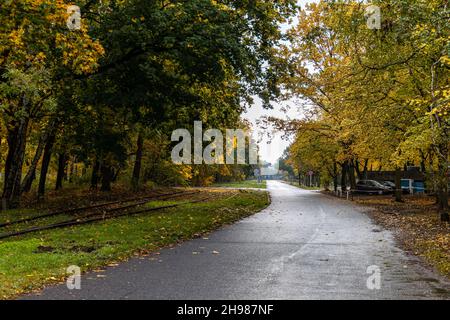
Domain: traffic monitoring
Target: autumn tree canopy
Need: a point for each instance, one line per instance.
(373, 98)
(101, 96)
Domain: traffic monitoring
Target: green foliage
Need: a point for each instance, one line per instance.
(135, 66)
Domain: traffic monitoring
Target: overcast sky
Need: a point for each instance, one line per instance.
(272, 150)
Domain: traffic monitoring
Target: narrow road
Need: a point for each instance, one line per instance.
(304, 246)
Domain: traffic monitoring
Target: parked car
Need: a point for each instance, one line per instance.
(391, 186)
(371, 187)
(388, 184)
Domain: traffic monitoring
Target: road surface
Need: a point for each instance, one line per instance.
(304, 246)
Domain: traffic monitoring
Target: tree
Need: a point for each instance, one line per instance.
(380, 95)
(42, 46)
(133, 67)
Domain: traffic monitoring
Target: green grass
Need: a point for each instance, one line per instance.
(30, 261)
(243, 184)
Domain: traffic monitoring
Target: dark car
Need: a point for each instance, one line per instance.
(388, 184)
(371, 187)
(391, 186)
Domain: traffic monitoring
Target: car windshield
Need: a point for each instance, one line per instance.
(376, 184)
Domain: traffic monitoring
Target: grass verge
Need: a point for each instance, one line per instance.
(31, 261)
(243, 184)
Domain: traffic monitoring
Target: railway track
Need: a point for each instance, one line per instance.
(101, 212)
(95, 217)
(91, 207)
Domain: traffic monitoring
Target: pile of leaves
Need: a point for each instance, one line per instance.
(417, 227)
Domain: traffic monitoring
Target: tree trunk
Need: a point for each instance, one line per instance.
(398, 185)
(115, 175)
(137, 163)
(366, 167)
(443, 183)
(16, 139)
(335, 177)
(107, 177)
(351, 175)
(94, 177)
(344, 176)
(62, 161)
(31, 174)
(423, 160)
(45, 164)
(357, 169)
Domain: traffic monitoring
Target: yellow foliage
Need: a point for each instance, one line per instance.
(40, 40)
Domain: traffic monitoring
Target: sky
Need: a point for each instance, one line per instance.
(271, 149)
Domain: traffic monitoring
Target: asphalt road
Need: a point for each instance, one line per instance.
(304, 246)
